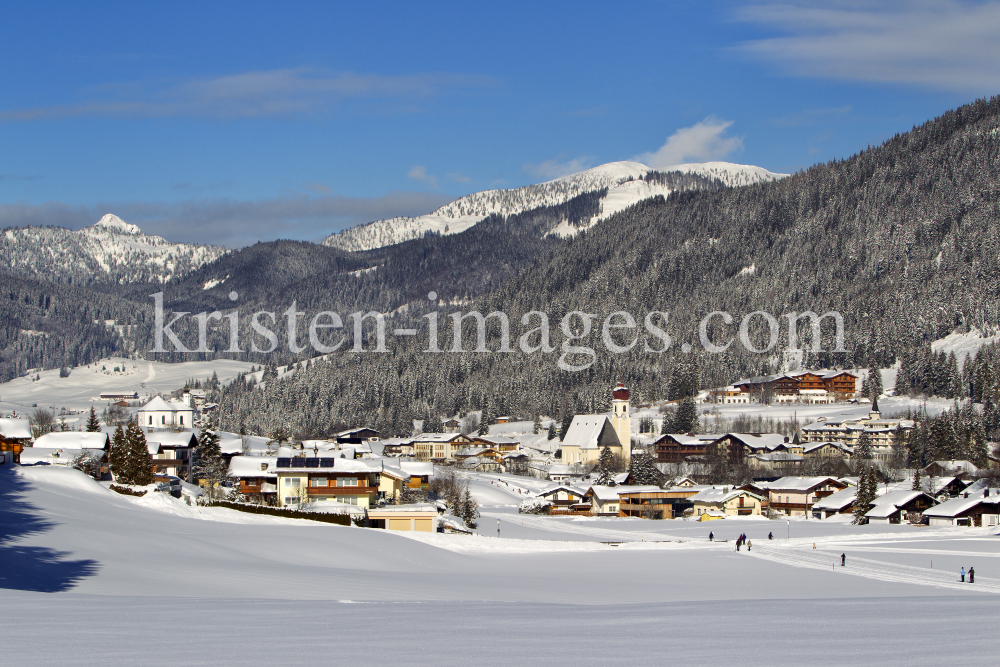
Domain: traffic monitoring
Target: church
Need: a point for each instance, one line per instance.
(589, 434)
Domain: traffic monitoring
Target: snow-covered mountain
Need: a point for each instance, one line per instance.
(111, 250)
(623, 180)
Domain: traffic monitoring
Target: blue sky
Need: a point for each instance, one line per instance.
(232, 123)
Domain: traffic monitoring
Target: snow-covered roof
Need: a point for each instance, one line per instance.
(577, 491)
(813, 446)
(613, 492)
(15, 427)
(955, 506)
(73, 440)
(32, 455)
(159, 405)
(756, 441)
(251, 466)
(414, 507)
(720, 495)
(585, 431)
(437, 437)
(497, 439)
(837, 501)
(887, 504)
(778, 456)
(798, 483)
(417, 468)
(170, 439)
(394, 472)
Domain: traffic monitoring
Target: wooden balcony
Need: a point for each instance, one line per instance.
(342, 490)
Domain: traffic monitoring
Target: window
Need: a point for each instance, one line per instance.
(317, 481)
(182, 420)
(163, 419)
(291, 500)
(150, 420)
(347, 481)
(347, 500)
(292, 481)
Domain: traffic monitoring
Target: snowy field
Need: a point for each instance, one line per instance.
(85, 384)
(101, 579)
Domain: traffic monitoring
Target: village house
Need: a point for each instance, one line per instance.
(795, 496)
(980, 508)
(606, 501)
(678, 448)
(438, 446)
(727, 501)
(809, 387)
(566, 500)
(782, 463)
(347, 482)
(172, 452)
(502, 444)
(892, 507)
(882, 433)
(950, 468)
(15, 435)
(654, 502)
(256, 477)
(419, 472)
(840, 502)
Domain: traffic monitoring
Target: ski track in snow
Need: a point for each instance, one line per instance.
(556, 525)
(871, 569)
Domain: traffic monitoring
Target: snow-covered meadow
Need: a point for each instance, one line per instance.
(99, 578)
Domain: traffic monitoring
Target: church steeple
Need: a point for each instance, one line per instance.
(621, 417)
(875, 414)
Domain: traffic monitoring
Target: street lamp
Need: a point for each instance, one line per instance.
(789, 529)
(498, 527)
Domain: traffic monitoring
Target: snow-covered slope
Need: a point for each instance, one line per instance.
(109, 250)
(621, 178)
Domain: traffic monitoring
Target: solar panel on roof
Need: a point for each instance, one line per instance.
(312, 462)
(326, 463)
(284, 463)
(298, 462)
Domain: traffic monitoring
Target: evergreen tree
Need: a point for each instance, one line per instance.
(552, 430)
(863, 450)
(866, 495)
(469, 508)
(642, 470)
(433, 424)
(875, 388)
(686, 419)
(605, 466)
(93, 423)
(916, 481)
(138, 464)
(116, 455)
(536, 428)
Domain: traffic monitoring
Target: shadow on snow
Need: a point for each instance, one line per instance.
(27, 568)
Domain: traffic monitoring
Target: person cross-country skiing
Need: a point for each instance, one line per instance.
(962, 574)
(972, 575)
(749, 544)
(770, 536)
(843, 560)
(711, 536)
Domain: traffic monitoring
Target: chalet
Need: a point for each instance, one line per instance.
(677, 448)
(840, 502)
(16, 430)
(308, 479)
(779, 462)
(500, 443)
(452, 426)
(420, 473)
(950, 468)
(796, 495)
(606, 500)
(566, 500)
(256, 477)
(356, 436)
(802, 387)
(120, 396)
(172, 452)
(392, 482)
(943, 488)
(981, 508)
(826, 450)
(729, 396)
(728, 501)
(393, 447)
(159, 413)
(892, 507)
(654, 502)
(741, 445)
(438, 446)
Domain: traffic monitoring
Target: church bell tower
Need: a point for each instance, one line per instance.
(621, 417)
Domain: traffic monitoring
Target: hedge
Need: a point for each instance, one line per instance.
(339, 519)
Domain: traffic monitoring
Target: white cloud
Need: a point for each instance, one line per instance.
(948, 44)
(557, 167)
(419, 174)
(702, 142)
(256, 94)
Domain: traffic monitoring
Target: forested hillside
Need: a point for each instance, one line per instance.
(901, 239)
